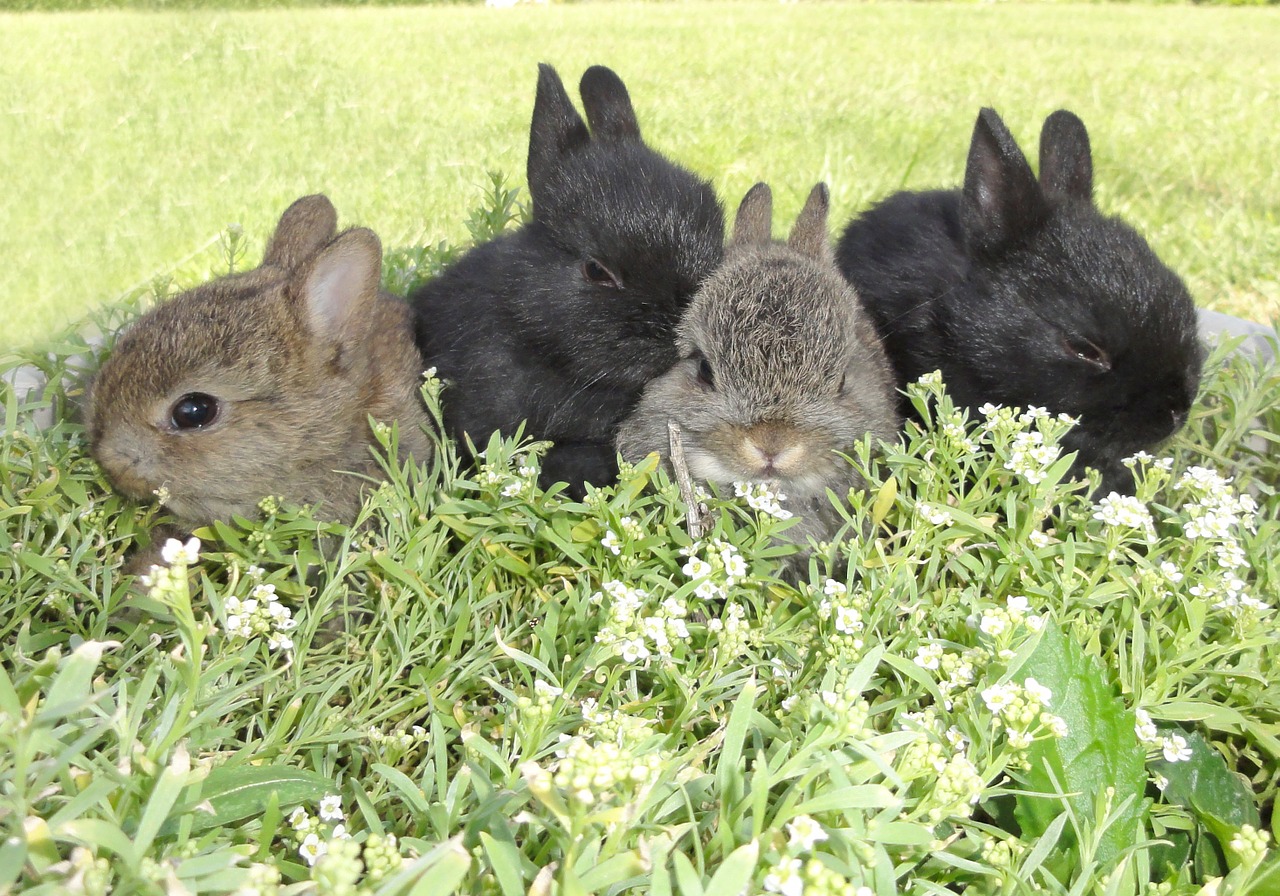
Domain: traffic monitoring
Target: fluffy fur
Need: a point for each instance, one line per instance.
(1022, 294)
(779, 369)
(295, 356)
(562, 322)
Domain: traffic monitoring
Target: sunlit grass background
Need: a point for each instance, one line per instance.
(131, 139)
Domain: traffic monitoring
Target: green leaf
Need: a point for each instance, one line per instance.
(1221, 800)
(504, 858)
(237, 792)
(735, 872)
(1099, 751)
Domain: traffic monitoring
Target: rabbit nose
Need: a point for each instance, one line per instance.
(771, 447)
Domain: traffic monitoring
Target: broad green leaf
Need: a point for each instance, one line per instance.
(688, 881)
(1099, 751)
(504, 858)
(1221, 800)
(239, 792)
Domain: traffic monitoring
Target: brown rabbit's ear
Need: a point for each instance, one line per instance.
(1001, 203)
(754, 221)
(341, 284)
(303, 230)
(608, 105)
(809, 233)
(1066, 163)
(556, 129)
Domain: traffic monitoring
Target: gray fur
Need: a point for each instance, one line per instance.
(780, 330)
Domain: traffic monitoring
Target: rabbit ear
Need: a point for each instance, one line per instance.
(304, 228)
(754, 222)
(608, 105)
(557, 128)
(1001, 202)
(1066, 164)
(341, 283)
(809, 233)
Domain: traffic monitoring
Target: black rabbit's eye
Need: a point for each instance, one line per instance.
(706, 375)
(594, 272)
(1088, 352)
(194, 411)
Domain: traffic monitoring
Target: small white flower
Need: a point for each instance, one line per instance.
(176, 553)
(1160, 781)
(993, 624)
(1057, 724)
(999, 696)
(1175, 748)
(937, 516)
(1040, 538)
(848, 620)
(1171, 572)
(785, 878)
(929, 656)
(1037, 691)
(805, 833)
(311, 848)
(331, 808)
(611, 542)
(1144, 728)
(298, 818)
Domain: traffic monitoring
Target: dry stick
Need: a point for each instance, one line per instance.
(685, 481)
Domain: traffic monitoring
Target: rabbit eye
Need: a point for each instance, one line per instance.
(194, 411)
(1088, 352)
(594, 272)
(706, 376)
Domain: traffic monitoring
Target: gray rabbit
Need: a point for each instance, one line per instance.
(779, 370)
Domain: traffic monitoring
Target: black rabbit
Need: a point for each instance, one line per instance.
(1022, 293)
(563, 321)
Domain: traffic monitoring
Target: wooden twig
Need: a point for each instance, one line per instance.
(694, 519)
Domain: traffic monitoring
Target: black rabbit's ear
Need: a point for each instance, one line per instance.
(303, 230)
(608, 105)
(1066, 164)
(754, 221)
(1002, 202)
(340, 285)
(557, 128)
(809, 233)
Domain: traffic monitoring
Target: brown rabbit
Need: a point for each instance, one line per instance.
(262, 383)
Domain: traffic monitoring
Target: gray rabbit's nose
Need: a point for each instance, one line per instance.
(771, 448)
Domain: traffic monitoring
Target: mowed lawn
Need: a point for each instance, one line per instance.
(129, 140)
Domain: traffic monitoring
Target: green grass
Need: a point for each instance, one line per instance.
(131, 139)
(475, 672)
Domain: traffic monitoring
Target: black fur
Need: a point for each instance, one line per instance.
(1022, 294)
(518, 324)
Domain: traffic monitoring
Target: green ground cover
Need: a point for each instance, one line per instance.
(131, 139)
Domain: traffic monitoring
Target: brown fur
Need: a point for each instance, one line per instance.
(298, 352)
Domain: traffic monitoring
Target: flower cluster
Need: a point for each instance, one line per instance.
(260, 614)
(956, 791)
(761, 497)
(178, 556)
(538, 709)
(636, 635)
(631, 532)
(719, 568)
(609, 760)
(792, 876)
(1214, 517)
(399, 739)
(847, 611)
(1030, 456)
(1125, 514)
(1003, 625)
(314, 834)
(517, 483)
(1022, 710)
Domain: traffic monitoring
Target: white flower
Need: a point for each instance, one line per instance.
(298, 818)
(848, 620)
(611, 542)
(1037, 691)
(999, 696)
(1171, 572)
(760, 496)
(1039, 538)
(929, 656)
(1175, 748)
(331, 808)
(993, 623)
(939, 516)
(311, 848)
(175, 553)
(1125, 511)
(1144, 728)
(1057, 724)
(785, 878)
(1160, 781)
(805, 833)
(697, 568)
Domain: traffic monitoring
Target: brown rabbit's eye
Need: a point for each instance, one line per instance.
(594, 272)
(1088, 352)
(194, 411)
(706, 375)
